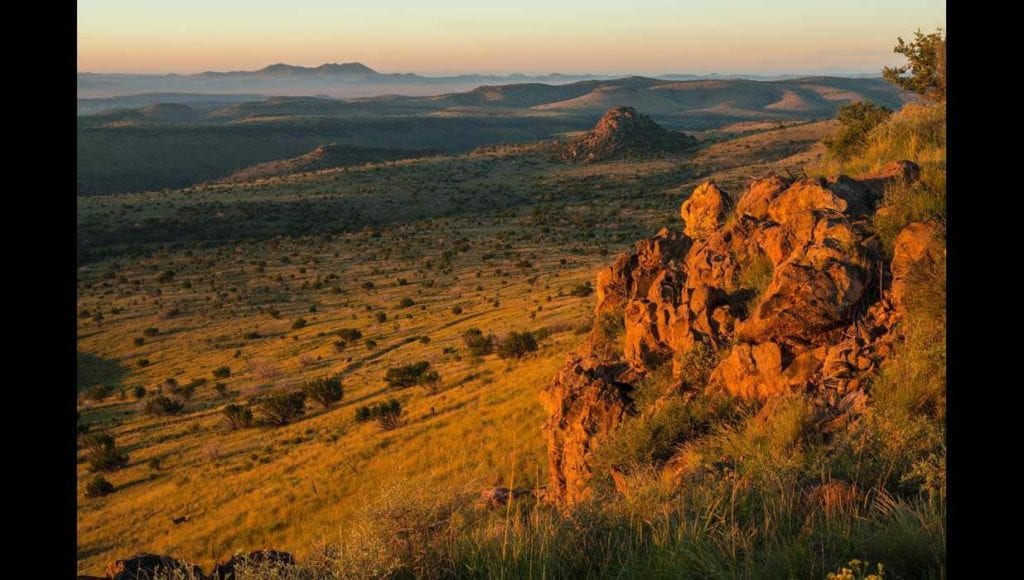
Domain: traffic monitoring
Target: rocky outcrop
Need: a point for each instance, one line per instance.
(585, 402)
(705, 210)
(622, 132)
(146, 566)
(789, 293)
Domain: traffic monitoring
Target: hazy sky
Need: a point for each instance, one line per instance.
(529, 36)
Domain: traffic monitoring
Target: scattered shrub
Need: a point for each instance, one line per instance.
(477, 343)
(103, 452)
(325, 391)
(582, 290)
(237, 416)
(516, 345)
(222, 372)
(283, 408)
(406, 302)
(98, 486)
(99, 392)
(411, 375)
(456, 310)
(299, 323)
(139, 392)
(387, 414)
(151, 331)
(381, 317)
(857, 120)
(161, 406)
(349, 334)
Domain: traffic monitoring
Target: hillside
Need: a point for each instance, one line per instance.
(328, 156)
(622, 132)
(503, 239)
(151, 148)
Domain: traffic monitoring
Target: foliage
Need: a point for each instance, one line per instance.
(98, 486)
(325, 391)
(162, 405)
(856, 122)
(386, 414)
(237, 416)
(104, 454)
(283, 408)
(99, 392)
(582, 290)
(516, 345)
(925, 71)
(349, 334)
(411, 375)
(477, 343)
(222, 372)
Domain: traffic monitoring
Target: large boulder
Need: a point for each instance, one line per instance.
(917, 245)
(752, 372)
(705, 210)
(760, 195)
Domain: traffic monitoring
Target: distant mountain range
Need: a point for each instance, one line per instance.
(344, 80)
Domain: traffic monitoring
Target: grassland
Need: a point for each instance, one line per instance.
(500, 236)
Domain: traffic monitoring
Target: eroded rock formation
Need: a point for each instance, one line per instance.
(622, 132)
(788, 285)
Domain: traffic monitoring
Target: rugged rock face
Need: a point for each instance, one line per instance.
(789, 294)
(584, 402)
(622, 132)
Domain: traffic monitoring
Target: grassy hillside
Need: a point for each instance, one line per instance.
(177, 285)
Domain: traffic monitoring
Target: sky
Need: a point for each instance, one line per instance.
(512, 36)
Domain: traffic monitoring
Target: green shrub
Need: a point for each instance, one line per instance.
(857, 120)
(325, 391)
(283, 408)
(381, 317)
(516, 345)
(161, 406)
(237, 416)
(151, 331)
(582, 290)
(103, 452)
(98, 486)
(99, 392)
(411, 375)
(139, 392)
(387, 414)
(406, 302)
(477, 343)
(222, 372)
(299, 323)
(349, 334)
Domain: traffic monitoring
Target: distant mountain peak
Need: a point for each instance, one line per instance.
(331, 68)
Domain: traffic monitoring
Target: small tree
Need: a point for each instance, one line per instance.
(411, 375)
(386, 414)
(99, 392)
(857, 120)
(283, 408)
(98, 486)
(162, 406)
(237, 416)
(349, 334)
(516, 345)
(325, 391)
(925, 71)
(477, 343)
(103, 452)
